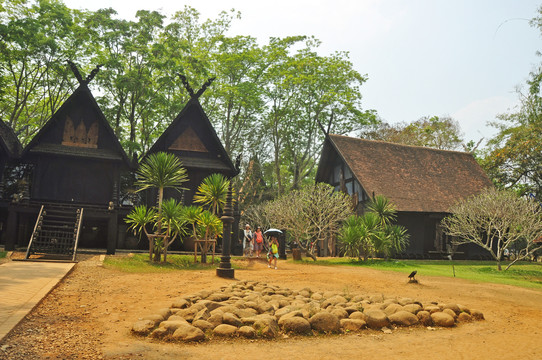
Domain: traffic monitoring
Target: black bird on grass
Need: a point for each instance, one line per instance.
(412, 274)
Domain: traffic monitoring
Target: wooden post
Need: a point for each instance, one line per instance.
(112, 233)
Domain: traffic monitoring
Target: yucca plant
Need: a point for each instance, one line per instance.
(359, 235)
(160, 170)
(399, 239)
(174, 222)
(191, 215)
(210, 226)
(212, 192)
(385, 210)
(139, 218)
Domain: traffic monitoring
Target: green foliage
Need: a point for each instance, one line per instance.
(139, 218)
(212, 192)
(373, 232)
(284, 89)
(513, 159)
(210, 225)
(161, 170)
(384, 209)
(435, 132)
(312, 213)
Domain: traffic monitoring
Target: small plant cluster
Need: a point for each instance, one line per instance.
(169, 219)
(374, 232)
(252, 309)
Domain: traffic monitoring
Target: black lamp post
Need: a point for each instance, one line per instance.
(224, 268)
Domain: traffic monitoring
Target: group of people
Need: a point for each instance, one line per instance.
(253, 244)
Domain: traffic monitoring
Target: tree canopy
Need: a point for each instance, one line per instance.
(266, 101)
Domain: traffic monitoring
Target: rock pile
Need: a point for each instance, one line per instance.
(253, 309)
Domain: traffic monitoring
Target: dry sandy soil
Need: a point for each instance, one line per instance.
(89, 316)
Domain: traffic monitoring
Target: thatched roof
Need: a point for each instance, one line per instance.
(417, 179)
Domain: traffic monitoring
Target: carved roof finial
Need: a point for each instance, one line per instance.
(191, 91)
(186, 85)
(78, 75)
(75, 71)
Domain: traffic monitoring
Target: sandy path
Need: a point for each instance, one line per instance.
(90, 314)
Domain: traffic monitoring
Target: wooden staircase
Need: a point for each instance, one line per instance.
(56, 231)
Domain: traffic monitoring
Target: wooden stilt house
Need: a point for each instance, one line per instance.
(75, 163)
(193, 139)
(423, 183)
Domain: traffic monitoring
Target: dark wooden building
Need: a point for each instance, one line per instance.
(75, 161)
(193, 139)
(10, 151)
(423, 183)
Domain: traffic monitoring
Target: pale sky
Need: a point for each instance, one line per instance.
(458, 58)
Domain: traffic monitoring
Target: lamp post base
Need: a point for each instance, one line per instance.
(225, 273)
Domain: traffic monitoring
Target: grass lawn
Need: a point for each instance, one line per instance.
(524, 274)
(3, 254)
(139, 263)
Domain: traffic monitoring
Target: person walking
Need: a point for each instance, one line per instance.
(247, 241)
(273, 253)
(258, 241)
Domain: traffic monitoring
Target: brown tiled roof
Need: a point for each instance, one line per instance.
(414, 178)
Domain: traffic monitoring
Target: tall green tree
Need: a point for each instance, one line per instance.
(438, 132)
(36, 38)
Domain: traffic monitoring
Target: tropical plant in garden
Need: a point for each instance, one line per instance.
(174, 223)
(159, 170)
(212, 192)
(310, 214)
(356, 237)
(497, 220)
(373, 232)
(209, 227)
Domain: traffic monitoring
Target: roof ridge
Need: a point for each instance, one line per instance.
(400, 144)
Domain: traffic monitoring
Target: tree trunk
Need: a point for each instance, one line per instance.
(306, 251)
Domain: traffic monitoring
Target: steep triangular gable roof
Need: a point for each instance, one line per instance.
(82, 114)
(9, 143)
(192, 137)
(417, 179)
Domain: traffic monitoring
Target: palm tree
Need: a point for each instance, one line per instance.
(212, 192)
(160, 170)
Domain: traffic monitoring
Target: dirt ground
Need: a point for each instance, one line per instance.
(89, 316)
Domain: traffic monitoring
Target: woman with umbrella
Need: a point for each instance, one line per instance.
(273, 253)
